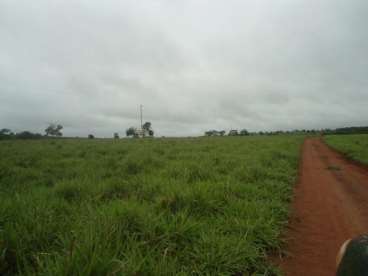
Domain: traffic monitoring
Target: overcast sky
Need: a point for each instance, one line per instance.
(194, 65)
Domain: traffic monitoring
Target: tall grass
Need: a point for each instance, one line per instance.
(354, 146)
(206, 206)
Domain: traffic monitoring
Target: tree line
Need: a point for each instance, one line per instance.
(326, 131)
(232, 132)
(348, 130)
(55, 130)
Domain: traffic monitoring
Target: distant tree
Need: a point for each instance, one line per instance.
(244, 132)
(147, 126)
(6, 133)
(131, 132)
(54, 130)
(233, 132)
(28, 135)
(91, 136)
(116, 135)
(215, 133)
(326, 131)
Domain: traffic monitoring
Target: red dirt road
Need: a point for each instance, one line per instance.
(330, 206)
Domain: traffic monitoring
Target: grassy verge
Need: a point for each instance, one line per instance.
(205, 206)
(354, 146)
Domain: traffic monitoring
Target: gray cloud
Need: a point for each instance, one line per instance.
(194, 65)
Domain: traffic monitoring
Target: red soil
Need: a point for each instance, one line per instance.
(330, 205)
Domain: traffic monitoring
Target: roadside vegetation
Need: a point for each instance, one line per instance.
(198, 206)
(354, 146)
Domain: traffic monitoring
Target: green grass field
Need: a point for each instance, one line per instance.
(201, 206)
(353, 146)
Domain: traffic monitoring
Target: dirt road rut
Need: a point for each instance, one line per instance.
(330, 206)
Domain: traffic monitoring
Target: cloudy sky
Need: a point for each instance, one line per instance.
(194, 64)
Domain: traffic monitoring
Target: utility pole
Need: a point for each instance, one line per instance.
(141, 109)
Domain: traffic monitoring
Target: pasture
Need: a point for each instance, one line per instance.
(193, 206)
(354, 146)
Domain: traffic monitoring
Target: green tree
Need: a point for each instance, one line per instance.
(28, 135)
(131, 132)
(147, 126)
(233, 132)
(244, 132)
(6, 133)
(54, 130)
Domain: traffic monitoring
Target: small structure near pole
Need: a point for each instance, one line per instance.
(141, 133)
